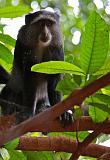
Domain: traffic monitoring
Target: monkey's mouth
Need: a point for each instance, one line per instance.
(44, 38)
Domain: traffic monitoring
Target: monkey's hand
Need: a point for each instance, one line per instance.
(66, 118)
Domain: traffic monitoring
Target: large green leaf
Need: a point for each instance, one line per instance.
(95, 42)
(104, 69)
(98, 115)
(54, 67)
(103, 97)
(6, 65)
(101, 106)
(5, 54)
(11, 145)
(13, 11)
(7, 39)
(16, 155)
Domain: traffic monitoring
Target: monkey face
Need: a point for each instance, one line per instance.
(45, 31)
(42, 28)
(45, 35)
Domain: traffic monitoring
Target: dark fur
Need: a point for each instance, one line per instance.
(4, 75)
(24, 84)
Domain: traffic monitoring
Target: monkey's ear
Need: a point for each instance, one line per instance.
(28, 18)
(57, 13)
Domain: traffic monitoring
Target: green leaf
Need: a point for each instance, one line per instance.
(86, 158)
(7, 39)
(102, 138)
(5, 65)
(4, 154)
(106, 91)
(101, 106)
(104, 98)
(77, 79)
(66, 86)
(77, 112)
(104, 69)
(54, 67)
(16, 155)
(81, 135)
(97, 114)
(95, 42)
(6, 54)
(39, 155)
(12, 144)
(69, 58)
(13, 11)
(62, 156)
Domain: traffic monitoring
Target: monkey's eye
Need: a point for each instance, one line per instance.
(40, 23)
(44, 22)
(49, 23)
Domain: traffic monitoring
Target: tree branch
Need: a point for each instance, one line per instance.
(44, 120)
(83, 145)
(60, 144)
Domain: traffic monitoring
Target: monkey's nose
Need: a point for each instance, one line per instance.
(44, 37)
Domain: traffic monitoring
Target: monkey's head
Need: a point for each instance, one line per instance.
(42, 28)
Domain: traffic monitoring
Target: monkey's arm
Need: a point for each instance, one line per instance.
(26, 82)
(55, 96)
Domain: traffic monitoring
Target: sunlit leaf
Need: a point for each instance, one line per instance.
(7, 66)
(16, 155)
(13, 11)
(103, 107)
(95, 42)
(77, 112)
(7, 39)
(12, 144)
(4, 154)
(103, 138)
(104, 98)
(5, 54)
(104, 69)
(97, 114)
(54, 67)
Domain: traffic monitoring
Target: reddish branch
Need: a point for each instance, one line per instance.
(60, 144)
(105, 156)
(45, 120)
(81, 147)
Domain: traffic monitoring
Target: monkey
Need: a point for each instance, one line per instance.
(4, 75)
(39, 40)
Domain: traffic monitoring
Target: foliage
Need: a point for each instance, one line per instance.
(54, 67)
(84, 61)
(12, 11)
(94, 51)
(94, 47)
